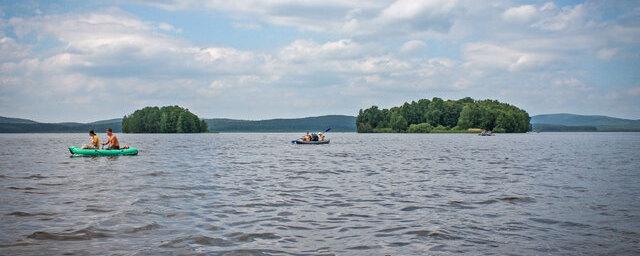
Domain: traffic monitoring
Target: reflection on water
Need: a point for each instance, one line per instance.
(363, 194)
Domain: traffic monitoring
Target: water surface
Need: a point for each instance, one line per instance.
(363, 194)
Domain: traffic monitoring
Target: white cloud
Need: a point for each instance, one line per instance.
(354, 53)
(168, 27)
(307, 50)
(312, 15)
(490, 56)
(607, 53)
(571, 83)
(523, 13)
(412, 46)
(557, 20)
(409, 9)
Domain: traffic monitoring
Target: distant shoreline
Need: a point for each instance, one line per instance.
(337, 123)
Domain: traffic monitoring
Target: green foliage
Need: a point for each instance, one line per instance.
(444, 115)
(382, 130)
(169, 119)
(499, 130)
(420, 128)
(398, 122)
(440, 128)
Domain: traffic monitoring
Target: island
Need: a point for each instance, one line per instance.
(438, 116)
(168, 119)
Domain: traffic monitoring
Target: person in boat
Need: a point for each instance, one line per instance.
(95, 141)
(314, 137)
(306, 137)
(112, 140)
(321, 136)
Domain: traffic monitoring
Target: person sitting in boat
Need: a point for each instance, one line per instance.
(112, 140)
(95, 141)
(321, 136)
(314, 137)
(306, 137)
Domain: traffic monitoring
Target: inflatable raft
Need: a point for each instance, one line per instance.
(310, 142)
(103, 152)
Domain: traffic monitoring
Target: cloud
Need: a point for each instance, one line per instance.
(571, 83)
(306, 50)
(607, 53)
(408, 9)
(342, 55)
(521, 13)
(561, 19)
(168, 27)
(311, 15)
(412, 46)
(417, 16)
(488, 56)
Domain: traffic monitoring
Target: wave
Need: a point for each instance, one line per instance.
(82, 234)
(26, 214)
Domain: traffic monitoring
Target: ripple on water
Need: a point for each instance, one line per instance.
(35, 176)
(517, 199)
(198, 240)
(385, 195)
(26, 214)
(436, 233)
(145, 228)
(82, 234)
(250, 237)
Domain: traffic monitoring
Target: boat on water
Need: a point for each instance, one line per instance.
(310, 142)
(103, 152)
(486, 133)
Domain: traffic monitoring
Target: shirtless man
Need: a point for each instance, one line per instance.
(112, 140)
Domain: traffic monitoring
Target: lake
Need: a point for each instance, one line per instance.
(362, 194)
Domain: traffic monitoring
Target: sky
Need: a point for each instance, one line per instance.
(90, 60)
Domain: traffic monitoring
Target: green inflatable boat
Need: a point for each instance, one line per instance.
(103, 152)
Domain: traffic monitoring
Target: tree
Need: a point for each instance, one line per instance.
(398, 123)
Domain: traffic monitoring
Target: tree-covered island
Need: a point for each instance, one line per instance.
(168, 119)
(438, 115)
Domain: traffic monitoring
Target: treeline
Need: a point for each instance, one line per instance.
(337, 123)
(438, 115)
(169, 119)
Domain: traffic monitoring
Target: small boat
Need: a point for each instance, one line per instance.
(310, 142)
(103, 152)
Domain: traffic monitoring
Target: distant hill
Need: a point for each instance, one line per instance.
(18, 125)
(9, 120)
(572, 122)
(337, 123)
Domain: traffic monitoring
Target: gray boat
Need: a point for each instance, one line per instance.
(310, 142)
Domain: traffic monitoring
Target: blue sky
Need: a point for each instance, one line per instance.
(90, 60)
